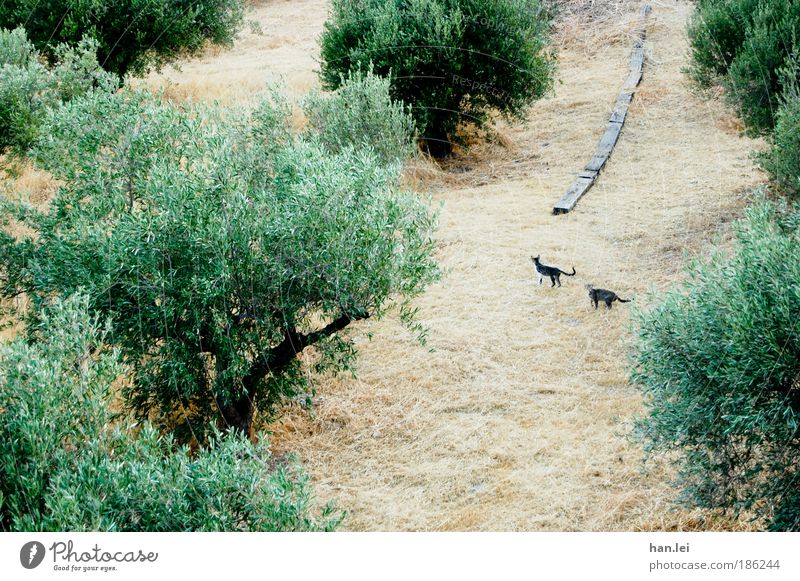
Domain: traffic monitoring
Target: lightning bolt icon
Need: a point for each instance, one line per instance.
(34, 550)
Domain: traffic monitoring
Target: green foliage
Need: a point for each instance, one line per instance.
(67, 464)
(744, 44)
(453, 61)
(132, 35)
(221, 246)
(361, 114)
(15, 50)
(753, 83)
(28, 88)
(782, 161)
(717, 31)
(719, 363)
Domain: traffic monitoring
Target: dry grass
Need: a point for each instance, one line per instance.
(35, 187)
(517, 418)
(284, 52)
(591, 26)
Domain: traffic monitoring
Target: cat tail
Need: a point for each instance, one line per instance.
(567, 273)
(624, 300)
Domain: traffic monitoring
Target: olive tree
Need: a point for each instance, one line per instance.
(743, 45)
(221, 245)
(361, 113)
(718, 360)
(69, 462)
(454, 62)
(29, 88)
(133, 35)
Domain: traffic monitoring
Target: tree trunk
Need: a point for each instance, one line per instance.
(238, 416)
(436, 144)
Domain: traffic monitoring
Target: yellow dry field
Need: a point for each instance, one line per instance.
(515, 415)
(277, 45)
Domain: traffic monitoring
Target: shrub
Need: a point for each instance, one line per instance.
(716, 32)
(719, 363)
(453, 61)
(67, 464)
(753, 83)
(15, 50)
(132, 35)
(744, 44)
(28, 89)
(221, 245)
(782, 161)
(361, 114)
(21, 107)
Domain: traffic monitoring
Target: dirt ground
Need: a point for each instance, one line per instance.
(515, 415)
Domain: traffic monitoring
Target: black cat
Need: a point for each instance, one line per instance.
(551, 271)
(600, 294)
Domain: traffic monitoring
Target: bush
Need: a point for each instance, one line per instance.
(15, 50)
(361, 114)
(753, 84)
(719, 362)
(221, 245)
(453, 61)
(132, 35)
(66, 464)
(717, 31)
(744, 44)
(28, 89)
(782, 161)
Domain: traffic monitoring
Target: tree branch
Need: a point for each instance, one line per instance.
(293, 343)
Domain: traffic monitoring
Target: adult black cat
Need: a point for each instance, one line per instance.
(600, 294)
(551, 271)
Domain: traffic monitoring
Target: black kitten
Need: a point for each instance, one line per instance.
(600, 294)
(551, 271)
